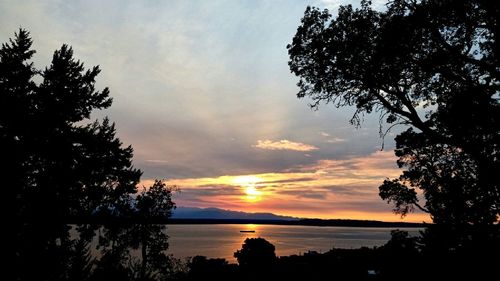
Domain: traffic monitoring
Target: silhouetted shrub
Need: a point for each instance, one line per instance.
(203, 268)
(256, 252)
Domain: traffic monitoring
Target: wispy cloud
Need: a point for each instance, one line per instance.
(335, 140)
(189, 80)
(284, 145)
(331, 139)
(157, 161)
(328, 189)
(333, 5)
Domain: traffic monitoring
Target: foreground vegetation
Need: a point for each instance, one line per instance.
(431, 67)
(60, 167)
(403, 257)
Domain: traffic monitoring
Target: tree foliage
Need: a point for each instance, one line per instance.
(432, 66)
(151, 203)
(59, 166)
(256, 253)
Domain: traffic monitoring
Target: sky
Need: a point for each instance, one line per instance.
(203, 93)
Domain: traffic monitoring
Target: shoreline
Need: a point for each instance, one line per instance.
(167, 221)
(302, 222)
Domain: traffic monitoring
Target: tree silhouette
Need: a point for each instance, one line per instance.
(60, 168)
(432, 66)
(81, 262)
(256, 253)
(153, 203)
(202, 268)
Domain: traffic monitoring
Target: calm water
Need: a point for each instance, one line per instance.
(222, 240)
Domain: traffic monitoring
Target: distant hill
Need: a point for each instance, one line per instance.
(189, 215)
(216, 213)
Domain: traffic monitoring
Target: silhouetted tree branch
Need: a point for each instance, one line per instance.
(432, 65)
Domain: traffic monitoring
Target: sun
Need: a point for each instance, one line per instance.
(249, 183)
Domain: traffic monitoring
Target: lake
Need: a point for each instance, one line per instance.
(222, 240)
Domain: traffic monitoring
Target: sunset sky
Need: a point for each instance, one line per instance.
(203, 93)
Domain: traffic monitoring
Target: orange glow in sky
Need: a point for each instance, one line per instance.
(204, 95)
(248, 183)
(329, 189)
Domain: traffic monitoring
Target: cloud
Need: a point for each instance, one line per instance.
(319, 195)
(196, 84)
(156, 161)
(331, 139)
(377, 164)
(336, 140)
(287, 180)
(334, 5)
(284, 145)
(328, 188)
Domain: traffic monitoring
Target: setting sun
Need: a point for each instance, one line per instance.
(252, 194)
(249, 185)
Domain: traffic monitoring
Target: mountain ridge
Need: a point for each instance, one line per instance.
(217, 213)
(194, 215)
